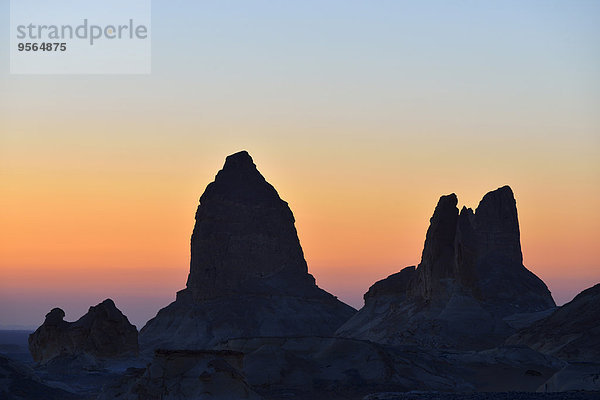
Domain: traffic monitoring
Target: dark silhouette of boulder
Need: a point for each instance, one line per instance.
(248, 275)
(470, 278)
(571, 333)
(103, 333)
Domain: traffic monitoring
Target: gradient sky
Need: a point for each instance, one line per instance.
(360, 113)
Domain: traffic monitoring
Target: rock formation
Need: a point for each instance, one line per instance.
(103, 333)
(471, 276)
(248, 276)
(183, 375)
(571, 333)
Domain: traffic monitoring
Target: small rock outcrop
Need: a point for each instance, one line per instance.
(103, 333)
(471, 276)
(571, 333)
(248, 275)
(183, 375)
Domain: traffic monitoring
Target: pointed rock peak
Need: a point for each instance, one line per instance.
(500, 198)
(108, 303)
(107, 308)
(239, 181)
(239, 161)
(465, 219)
(239, 167)
(504, 189)
(498, 211)
(446, 208)
(466, 211)
(55, 316)
(438, 251)
(444, 217)
(244, 239)
(450, 199)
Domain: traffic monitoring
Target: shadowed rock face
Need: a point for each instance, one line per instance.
(470, 277)
(571, 333)
(438, 253)
(104, 332)
(248, 276)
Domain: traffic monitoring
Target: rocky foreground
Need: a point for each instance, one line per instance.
(483, 396)
(571, 333)
(469, 322)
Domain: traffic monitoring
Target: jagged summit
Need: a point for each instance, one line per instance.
(480, 252)
(470, 277)
(248, 275)
(240, 162)
(240, 181)
(469, 245)
(239, 159)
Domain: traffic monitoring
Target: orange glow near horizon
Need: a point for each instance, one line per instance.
(115, 237)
